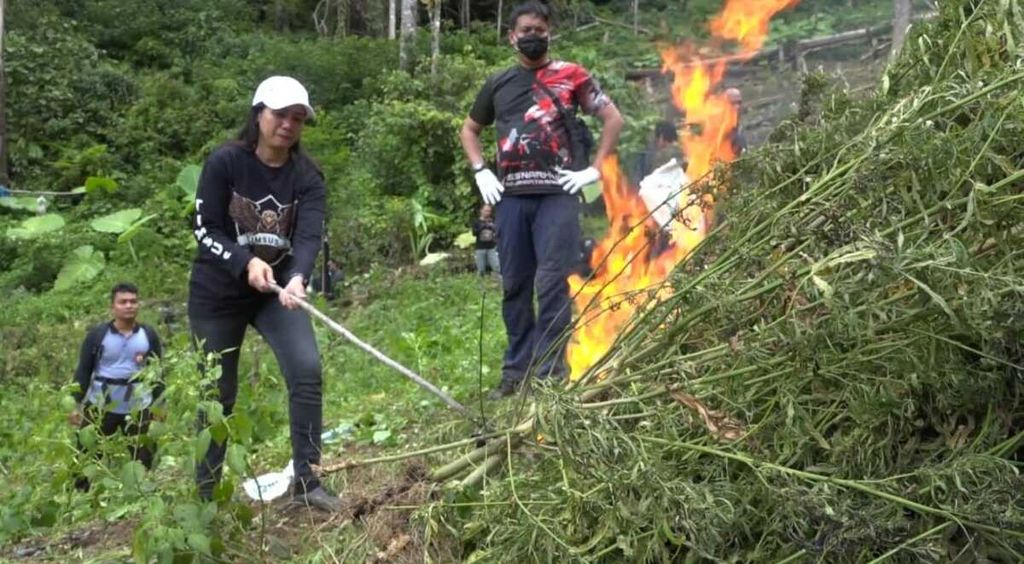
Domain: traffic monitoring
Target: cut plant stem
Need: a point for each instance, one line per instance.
(477, 475)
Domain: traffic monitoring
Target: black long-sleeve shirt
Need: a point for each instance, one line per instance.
(246, 209)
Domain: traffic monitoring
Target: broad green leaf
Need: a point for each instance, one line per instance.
(35, 226)
(201, 444)
(236, 459)
(188, 180)
(591, 192)
(219, 431)
(465, 240)
(132, 473)
(433, 258)
(46, 514)
(115, 512)
(67, 403)
(157, 429)
(205, 514)
(212, 410)
(117, 222)
(27, 204)
(84, 264)
(380, 436)
(199, 543)
(95, 184)
(241, 427)
(133, 229)
(186, 514)
(87, 436)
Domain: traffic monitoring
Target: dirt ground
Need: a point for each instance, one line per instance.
(94, 538)
(379, 502)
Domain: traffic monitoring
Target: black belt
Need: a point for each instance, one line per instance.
(107, 382)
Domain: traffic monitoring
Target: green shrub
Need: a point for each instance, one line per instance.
(62, 94)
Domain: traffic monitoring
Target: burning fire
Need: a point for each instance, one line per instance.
(746, 21)
(628, 269)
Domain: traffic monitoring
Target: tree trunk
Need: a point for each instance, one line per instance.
(4, 180)
(435, 35)
(900, 23)
(636, 17)
(280, 16)
(407, 42)
(464, 14)
(500, 9)
(341, 25)
(392, 18)
(320, 14)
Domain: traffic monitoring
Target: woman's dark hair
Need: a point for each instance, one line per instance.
(536, 9)
(249, 136)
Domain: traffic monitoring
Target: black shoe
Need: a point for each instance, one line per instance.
(319, 498)
(504, 390)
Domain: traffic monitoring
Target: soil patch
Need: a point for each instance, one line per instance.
(93, 538)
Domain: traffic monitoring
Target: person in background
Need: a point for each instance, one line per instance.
(537, 186)
(663, 148)
(260, 208)
(737, 136)
(486, 246)
(334, 279)
(109, 397)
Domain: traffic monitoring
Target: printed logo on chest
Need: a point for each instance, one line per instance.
(264, 226)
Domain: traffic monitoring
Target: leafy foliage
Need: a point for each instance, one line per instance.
(117, 222)
(85, 264)
(36, 226)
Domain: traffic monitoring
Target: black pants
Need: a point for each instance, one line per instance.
(540, 236)
(290, 335)
(110, 423)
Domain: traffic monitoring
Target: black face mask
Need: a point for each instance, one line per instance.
(532, 46)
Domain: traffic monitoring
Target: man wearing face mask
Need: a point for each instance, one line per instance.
(535, 189)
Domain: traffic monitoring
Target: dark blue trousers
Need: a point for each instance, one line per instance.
(538, 238)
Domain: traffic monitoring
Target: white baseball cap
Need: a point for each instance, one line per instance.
(279, 92)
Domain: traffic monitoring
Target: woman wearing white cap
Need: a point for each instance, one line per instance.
(259, 219)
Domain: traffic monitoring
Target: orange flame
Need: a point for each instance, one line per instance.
(746, 21)
(628, 269)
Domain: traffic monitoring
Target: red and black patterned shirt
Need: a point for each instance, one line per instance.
(532, 137)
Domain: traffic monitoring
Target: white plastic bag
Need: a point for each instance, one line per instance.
(270, 486)
(662, 190)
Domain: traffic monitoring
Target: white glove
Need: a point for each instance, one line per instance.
(573, 180)
(489, 185)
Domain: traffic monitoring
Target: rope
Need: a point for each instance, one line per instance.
(4, 190)
(337, 328)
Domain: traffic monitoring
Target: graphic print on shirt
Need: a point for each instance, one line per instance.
(265, 226)
(532, 149)
(486, 232)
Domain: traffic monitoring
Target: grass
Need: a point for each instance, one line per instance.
(427, 320)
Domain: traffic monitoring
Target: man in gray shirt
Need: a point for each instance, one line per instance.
(109, 396)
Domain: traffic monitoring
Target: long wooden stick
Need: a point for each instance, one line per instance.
(337, 328)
